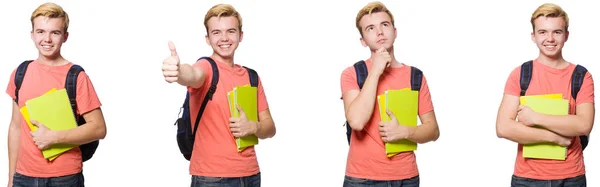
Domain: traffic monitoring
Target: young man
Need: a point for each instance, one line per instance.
(551, 74)
(27, 166)
(215, 160)
(367, 163)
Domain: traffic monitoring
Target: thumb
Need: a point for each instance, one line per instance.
(172, 49)
(381, 50)
(390, 113)
(239, 108)
(38, 124)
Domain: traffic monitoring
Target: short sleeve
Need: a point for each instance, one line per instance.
(262, 98)
(348, 80)
(11, 87)
(425, 103)
(205, 66)
(512, 86)
(586, 93)
(87, 98)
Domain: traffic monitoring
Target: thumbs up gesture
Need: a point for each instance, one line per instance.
(170, 66)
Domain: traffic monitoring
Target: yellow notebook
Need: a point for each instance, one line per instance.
(54, 110)
(33, 128)
(551, 104)
(246, 97)
(404, 104)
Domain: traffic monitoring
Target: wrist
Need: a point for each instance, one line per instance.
(256, 127)
(550, 137)
(411, 132)
(57, 137)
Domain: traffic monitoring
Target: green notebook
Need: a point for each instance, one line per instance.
(246, 97)
(53, 109)
(404, 104)
(549, 106)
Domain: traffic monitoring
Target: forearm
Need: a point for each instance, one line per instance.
(13, 148)
(567, 125)
(424, 133)
(189, 76)
(360, 110)
(522, 134)
(83, 134)
(265, 129)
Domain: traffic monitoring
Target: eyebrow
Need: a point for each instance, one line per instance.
(379, 23)
(59, 31)
(235, 29)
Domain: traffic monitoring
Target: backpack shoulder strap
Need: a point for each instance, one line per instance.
(19, 75)
(210, 92)
(361, 73)
(526, 71)
(253, 76)
(577, 80)
(416, 77)
(71, 85)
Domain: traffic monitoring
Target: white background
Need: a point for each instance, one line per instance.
(299, 48)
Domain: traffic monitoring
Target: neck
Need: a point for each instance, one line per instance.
(556, 62)
(56, 60)
(390, 50)
(225, 60)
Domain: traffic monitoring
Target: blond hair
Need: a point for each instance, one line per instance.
(372, 7)
(551, 11)
(51, 10)
(222, 10)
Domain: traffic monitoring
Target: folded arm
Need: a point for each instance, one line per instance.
(94, 129)
(508, 128)
(579, 124)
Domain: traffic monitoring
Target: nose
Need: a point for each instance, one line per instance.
(551, 37)
(46, 37)
(224, 38)
(379, 31)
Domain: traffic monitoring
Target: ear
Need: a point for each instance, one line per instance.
(362, 41)
(533, 37)
(566, 36)
(66, 36)
(241, 36)
(31, 33)
(207, 39)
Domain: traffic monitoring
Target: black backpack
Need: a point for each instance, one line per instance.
(416, 76)
(185, 134)
(576, 82)
(87, 150)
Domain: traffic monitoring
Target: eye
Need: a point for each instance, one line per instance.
(386, 24)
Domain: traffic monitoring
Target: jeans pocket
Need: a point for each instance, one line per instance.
(205, 179)
(355, 180)
(521, 182)
(75, 180)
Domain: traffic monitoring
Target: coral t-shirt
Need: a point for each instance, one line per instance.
(366, 157)
(38, 80)
(215, 153)
(548, 80)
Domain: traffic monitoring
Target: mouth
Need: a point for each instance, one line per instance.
(550, 47)
(381, 41)
(47, 47)
(225, 46)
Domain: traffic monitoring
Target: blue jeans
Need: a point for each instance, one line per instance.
(579, 181)
(249, 181)
(75, 180)
(356, 182)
